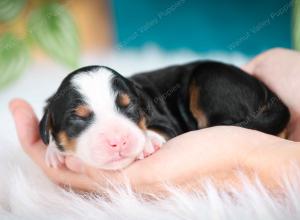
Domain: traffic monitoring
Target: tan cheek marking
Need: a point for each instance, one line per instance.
(68, 143)
(195, 108)
(142, 123)
(123, 100)
(82, 111)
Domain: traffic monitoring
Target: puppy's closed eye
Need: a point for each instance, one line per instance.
(75, 122)
(78, 118)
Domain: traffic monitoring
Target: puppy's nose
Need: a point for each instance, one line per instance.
(118, 142)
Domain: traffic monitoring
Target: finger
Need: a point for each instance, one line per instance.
(61, 176)
(65, 177)
(102, 177)
(294, 131)
(251, 66)
(248, 67)
(74, 164)
(26, 122)
(27, 129)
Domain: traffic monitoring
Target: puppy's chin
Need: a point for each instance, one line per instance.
(117, 165)
(113, 164)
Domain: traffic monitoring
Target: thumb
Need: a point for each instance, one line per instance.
(252, 65)
(26, 122)
(75, 164)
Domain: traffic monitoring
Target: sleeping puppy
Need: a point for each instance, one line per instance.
(109, 121)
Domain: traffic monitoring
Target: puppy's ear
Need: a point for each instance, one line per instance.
(45, 127)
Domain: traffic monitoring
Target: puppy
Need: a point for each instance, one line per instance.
(109, 121)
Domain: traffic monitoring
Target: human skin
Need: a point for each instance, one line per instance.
(216, 153)
(279, 69)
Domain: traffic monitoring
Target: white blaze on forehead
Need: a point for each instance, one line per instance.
(96, 88)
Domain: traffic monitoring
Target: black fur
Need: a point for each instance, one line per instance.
(59, 111)
(228, 96)
(45, 127)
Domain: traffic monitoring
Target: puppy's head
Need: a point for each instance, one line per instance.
(97, 115)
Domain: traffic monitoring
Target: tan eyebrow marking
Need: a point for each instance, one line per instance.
(82, 111)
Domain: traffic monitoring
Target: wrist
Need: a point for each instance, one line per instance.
(271, 161)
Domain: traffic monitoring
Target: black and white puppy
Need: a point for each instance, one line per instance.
(109, 121)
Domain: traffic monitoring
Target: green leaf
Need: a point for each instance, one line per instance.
(9, 9)
(296, 25)
(14, 58)
(53, 29)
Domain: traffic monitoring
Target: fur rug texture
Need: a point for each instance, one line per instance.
(26, 193)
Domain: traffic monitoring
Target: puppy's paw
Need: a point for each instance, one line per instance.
(154, 142)
(54, 157)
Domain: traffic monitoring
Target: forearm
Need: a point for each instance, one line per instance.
(217, 154)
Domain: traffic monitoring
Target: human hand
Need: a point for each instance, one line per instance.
(29, 137)
(215, 153)
(279, 69)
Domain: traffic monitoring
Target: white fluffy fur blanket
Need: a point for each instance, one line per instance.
(25, 193)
